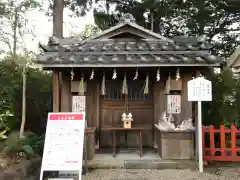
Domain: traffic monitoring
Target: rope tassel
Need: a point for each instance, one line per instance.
(146, 88)
(81, 86)
(124, 86)
(103, 87)
(168, 85)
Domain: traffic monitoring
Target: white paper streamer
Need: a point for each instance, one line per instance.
(81, 86)
(136, 75)
(124, 86)
(178, 74)
(103, 88)
(72, 75)
(158, 77)
(92, 75)
(114, 74)
(146, 88)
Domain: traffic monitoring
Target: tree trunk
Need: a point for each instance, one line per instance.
(15, 27)
(58, 18)
(58, 7)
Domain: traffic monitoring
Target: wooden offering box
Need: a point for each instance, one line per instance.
(127, 123)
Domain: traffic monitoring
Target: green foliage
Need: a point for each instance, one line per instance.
(37, 96)
(31, 144)
(213, 18)
(3, 134)
(27, 149)
(2, 8)
(88, 31)
(10, 84)
(224, 108)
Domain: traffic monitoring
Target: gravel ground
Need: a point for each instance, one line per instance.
(223, 173)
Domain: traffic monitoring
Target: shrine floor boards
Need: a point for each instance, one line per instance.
(130, 159)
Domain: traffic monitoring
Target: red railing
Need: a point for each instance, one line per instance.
(226, 149)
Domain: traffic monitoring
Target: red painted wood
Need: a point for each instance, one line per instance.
(223, 140)
(222, 158)
(209, 153)
(203, 141)
(233, 140)
(212, 141)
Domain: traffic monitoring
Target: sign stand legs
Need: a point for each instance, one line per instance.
(85, 154)
(200, 151)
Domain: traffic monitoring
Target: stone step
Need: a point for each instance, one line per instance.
(143, 164)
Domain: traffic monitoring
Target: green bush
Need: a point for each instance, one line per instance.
(31, 144)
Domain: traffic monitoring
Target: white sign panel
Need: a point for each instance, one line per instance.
(199, 89)
(63, 148)
(78, 103)
(174, 104)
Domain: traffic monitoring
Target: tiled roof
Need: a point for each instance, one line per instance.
(125, 52)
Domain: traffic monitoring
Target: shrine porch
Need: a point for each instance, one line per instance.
(130, 159)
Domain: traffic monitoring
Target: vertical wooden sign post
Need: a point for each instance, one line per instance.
(79, 105)
(199, 90)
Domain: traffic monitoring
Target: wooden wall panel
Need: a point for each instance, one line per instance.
(90, 109)
(106, 119)
(143, 117)
(66, 98)
(110, 117)
(92, 103)
(186, 110)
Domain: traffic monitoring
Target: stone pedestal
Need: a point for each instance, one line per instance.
(173, 145)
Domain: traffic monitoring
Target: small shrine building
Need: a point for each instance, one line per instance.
(126, 69)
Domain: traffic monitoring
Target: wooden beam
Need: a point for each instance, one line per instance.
(56, 92)
(144, 52)
(46, 64)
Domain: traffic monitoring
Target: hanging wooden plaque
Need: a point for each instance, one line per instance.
(174, 104)
(78, 103)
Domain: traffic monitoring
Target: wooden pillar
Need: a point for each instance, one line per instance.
(66, 97)
(92, 106)
(159, 103)
(98, 114)
(186, 106)
(56, 100)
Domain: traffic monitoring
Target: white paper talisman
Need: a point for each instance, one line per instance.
(174, 104)
(78, 103)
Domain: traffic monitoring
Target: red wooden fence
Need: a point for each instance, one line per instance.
(228, 150)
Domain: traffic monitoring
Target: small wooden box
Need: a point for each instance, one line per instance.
(175, 85)
(127, 123)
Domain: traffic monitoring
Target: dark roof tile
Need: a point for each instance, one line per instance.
(114, 52)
